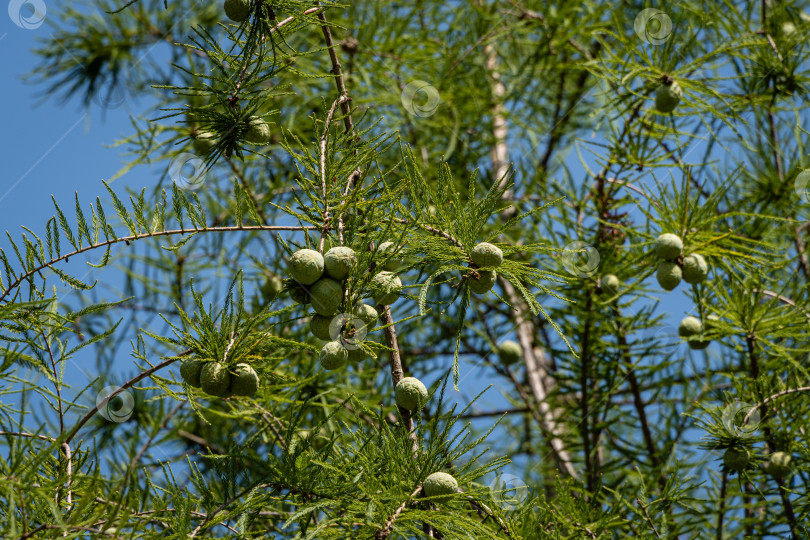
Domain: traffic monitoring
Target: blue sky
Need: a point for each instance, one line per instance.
(49, 148)
(53, 148)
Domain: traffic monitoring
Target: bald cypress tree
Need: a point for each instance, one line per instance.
(581, 225)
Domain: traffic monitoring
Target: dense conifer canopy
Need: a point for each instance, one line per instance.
(523, 197)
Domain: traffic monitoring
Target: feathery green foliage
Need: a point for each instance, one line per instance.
(434, 126)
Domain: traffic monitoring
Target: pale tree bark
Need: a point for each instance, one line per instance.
(534, 357)
(499, 153)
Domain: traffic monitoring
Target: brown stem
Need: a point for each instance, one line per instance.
(432, 230)
(65, 448)
(773, 397)
(395, 363)
(196, 439)
(804, 263)
(192, 513)
(721, 512)
(560, 122)
(31, 435)
(345, 107)
(781, 298)
(638, 402)
(502, 412)
(645, 426)
(750, 342)
(66, 528)
(69, 473)
(648, 519)
(271, 421)
(178, 275)
(584, 382)
(748, 510)
(777, 160)
(337, 71)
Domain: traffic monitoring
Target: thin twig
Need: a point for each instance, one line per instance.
(629, 186)
(345, 107)
(385, 532)
(86, 418)
(243, 180)
(134, 237)
(31, 435)
(502, 412)
(773, 397)
(290, 19)
(213, 514)
(234, 335)
(754, 368)
(228, 502)
(781, 298)
(153, 435)
(804, 263)
(721, 512)
(324, 183)
(481, 507)
(591, 467)
(65, 528)
(65, 448)
(638, 401)
(648, 519)
(270, 418)
(432, 230)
